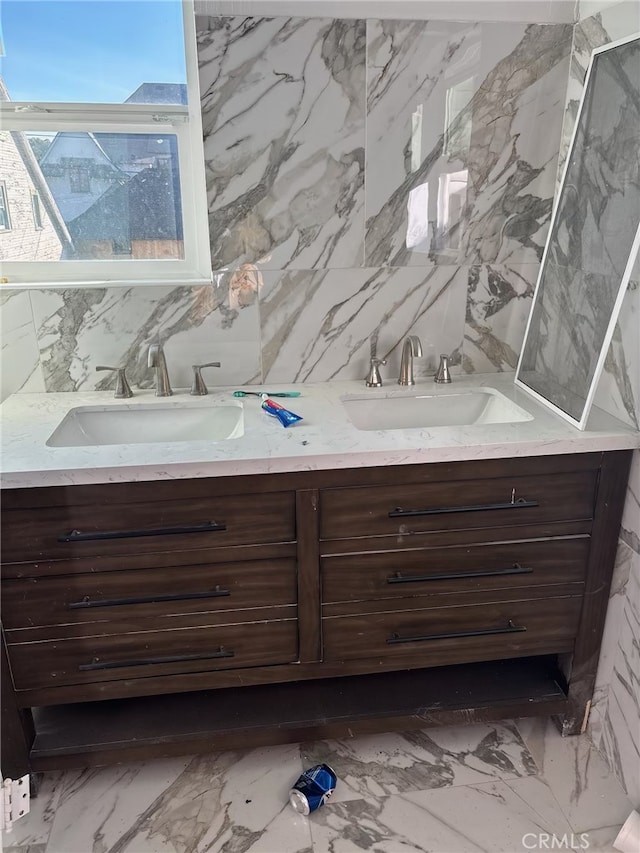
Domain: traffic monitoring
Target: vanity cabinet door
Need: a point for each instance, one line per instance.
(147, 527)
(144, 654)
(504, 566)
(504, 502)
(115, 600)
(125, 585)
(443, 635)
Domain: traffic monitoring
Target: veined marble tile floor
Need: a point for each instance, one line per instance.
(506, 786)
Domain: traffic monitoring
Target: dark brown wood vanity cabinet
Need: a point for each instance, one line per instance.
(157, 618)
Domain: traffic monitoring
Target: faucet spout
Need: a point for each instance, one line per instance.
(157, 360)
(412, 348)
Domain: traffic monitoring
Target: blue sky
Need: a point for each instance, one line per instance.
(89, 50)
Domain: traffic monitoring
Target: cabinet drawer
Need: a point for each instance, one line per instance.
(114, 598)
(506, 501)
(112, 529)
(442, 635)
(441, 571)
(151, 653)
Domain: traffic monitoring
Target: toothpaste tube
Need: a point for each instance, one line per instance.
(274, 409)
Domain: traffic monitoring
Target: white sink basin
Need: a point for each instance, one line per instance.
(450, 408)
(141, 423)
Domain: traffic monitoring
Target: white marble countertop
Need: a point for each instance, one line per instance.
(324, 439)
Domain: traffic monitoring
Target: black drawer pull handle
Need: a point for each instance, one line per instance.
(146, 599)
(510, 629)
(516, 569)
(521, 503)
(79, 536)
(114, 664)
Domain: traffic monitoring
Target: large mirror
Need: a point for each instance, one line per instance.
(593, 240)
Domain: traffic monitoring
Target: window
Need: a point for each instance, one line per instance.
(79, 179)
(5, 222)
(110, 140)
(37, 215)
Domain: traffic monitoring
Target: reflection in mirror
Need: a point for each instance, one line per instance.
(593, 241)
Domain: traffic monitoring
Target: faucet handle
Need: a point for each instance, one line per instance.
(123, 389)
(199, 389)
(374, 380)
(442, 374)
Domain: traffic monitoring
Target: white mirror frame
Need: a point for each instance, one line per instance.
(624, 282)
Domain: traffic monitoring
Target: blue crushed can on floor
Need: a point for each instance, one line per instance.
(313, 789)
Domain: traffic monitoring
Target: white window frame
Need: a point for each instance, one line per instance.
(183, 121)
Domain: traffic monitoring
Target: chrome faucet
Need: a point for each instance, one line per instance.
(411, 349)
(156, 359)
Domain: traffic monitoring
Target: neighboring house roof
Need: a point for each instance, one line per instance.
(37, 178)
(79, 148)
(86, 144)
(147, 207)
(116, 156)
(131, 152)
(159, 93)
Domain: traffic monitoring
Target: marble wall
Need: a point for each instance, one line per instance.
(365, 180)
(614, 723)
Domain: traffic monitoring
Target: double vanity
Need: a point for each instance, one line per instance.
(184, 575)
(142, 423)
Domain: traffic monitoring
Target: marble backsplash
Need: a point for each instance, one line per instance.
(303, 326)
(365, 180)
